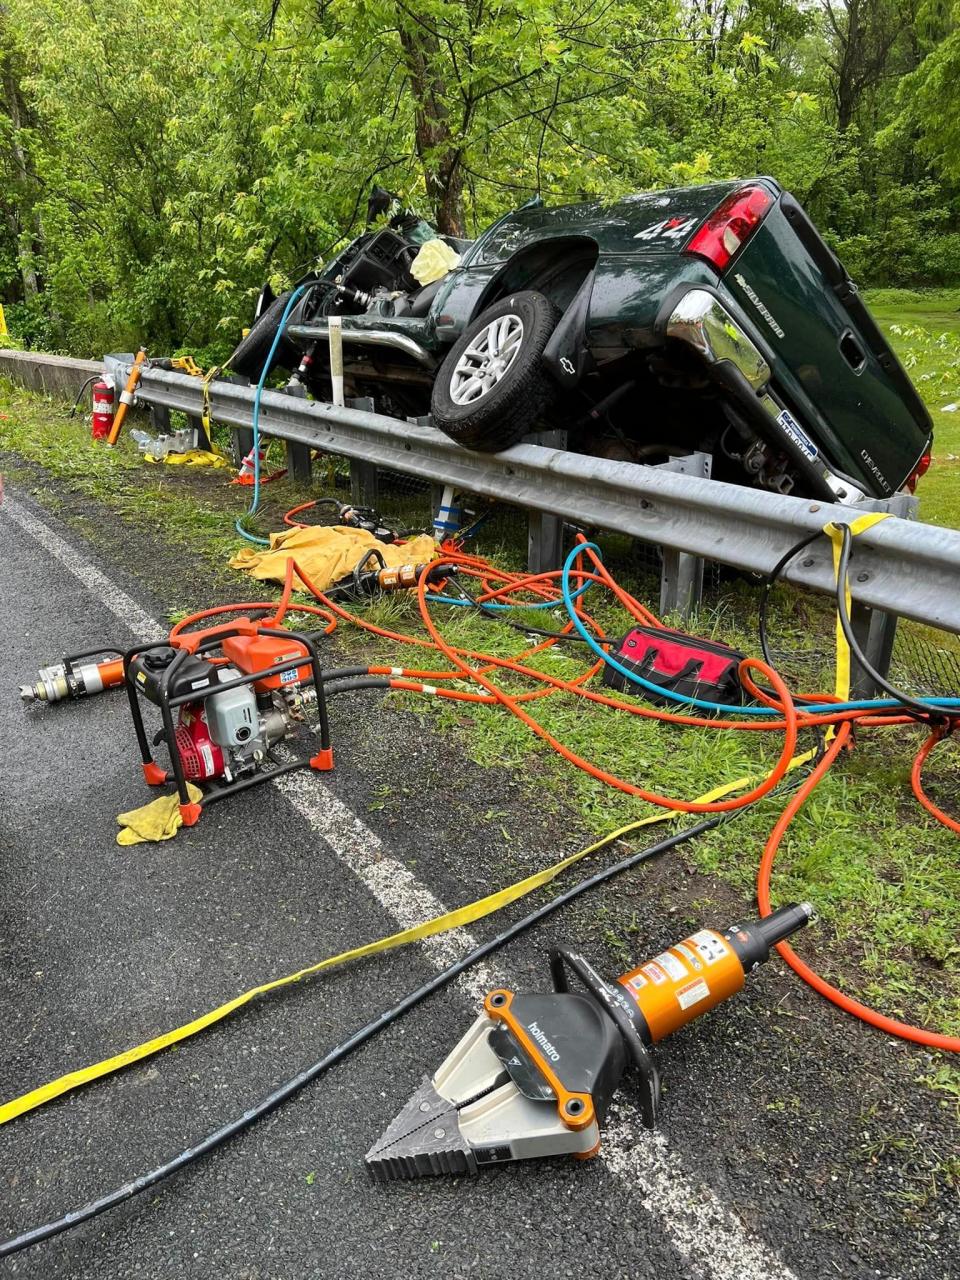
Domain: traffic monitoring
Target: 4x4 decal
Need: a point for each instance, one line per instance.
(668, 229)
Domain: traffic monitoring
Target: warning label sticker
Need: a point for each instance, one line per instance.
(676, 969)
(655, 973)
(796, 433)
(689, 956)
(637, 982)
(692, 993)
(708, 946)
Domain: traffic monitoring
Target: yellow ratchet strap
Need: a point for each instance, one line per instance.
(834, 533)
(439, 924)
(205, 418)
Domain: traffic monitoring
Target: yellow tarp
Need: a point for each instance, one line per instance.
(193, 458)
(327, 554)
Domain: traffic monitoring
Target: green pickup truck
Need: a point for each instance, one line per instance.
(710, 318)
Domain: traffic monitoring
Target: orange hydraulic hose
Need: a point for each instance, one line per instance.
(902, 1030)
(602, 775)
(574, 687)
(247, 607)
(295, 511)
(916, 782)
(632, 606)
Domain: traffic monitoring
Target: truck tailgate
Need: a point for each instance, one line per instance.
(829, 354)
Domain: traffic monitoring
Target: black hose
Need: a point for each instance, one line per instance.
(772, 577)
(359, 682)
(293, 1086)
(93, 378)
(497, 616)
(927, 712)
(339, 673)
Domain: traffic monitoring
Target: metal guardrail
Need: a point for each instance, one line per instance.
(901, 567)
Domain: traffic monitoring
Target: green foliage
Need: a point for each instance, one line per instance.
(157, 164)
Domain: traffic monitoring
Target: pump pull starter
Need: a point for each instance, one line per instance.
(534, 1074)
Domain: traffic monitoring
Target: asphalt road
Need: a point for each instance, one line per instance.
(781, 1151)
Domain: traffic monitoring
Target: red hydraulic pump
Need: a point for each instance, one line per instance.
(227, 696)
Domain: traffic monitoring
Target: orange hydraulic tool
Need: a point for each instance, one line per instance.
(72, 678)
(126, 396)
(534, 1074)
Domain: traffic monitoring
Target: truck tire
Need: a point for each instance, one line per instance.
(251, 352)
(492, 387)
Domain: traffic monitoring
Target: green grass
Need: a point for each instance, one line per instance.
(924, 330)
(885, 879)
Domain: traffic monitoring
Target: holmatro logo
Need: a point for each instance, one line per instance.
(543, 1042)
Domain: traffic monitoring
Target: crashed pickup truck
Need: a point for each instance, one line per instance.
(710, 318)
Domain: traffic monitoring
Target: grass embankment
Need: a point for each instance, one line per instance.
(885, 879)
(924, 330)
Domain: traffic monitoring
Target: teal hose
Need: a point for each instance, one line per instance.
(868, 704)
(255, 501)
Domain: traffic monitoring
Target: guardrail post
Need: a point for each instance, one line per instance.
(875, 630)
(299, 457)
(196, 424)
(160, 419)
(681, 575)
(544, 542)
(364, 481)
(241, 442)
(299, 462)
(545, 531)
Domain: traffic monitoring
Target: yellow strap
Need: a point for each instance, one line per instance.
(835, 534)
(439, 924)
(208, 377)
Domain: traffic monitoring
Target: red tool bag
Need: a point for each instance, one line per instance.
(683, 664)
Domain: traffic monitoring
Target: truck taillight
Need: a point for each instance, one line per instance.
(730, 226)
(919, 471)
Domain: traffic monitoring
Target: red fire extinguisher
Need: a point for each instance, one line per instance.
(103, 400)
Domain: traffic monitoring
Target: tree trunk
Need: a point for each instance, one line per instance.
(14, 105)
(436, 148)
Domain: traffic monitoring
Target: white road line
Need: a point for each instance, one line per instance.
(393, 885)
(122, 606)
(706, 1234)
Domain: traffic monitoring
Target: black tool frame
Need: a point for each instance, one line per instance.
(561, 959)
